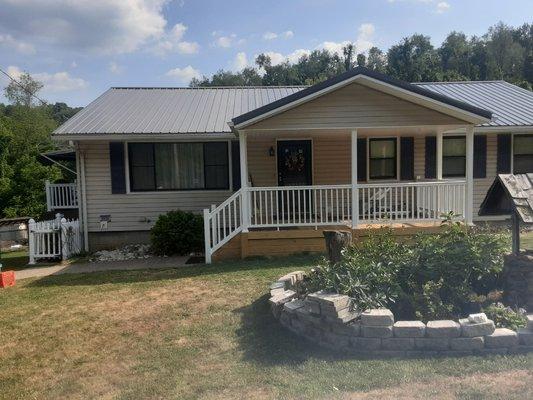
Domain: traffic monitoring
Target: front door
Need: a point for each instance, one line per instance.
(294, 163)
(294, 169)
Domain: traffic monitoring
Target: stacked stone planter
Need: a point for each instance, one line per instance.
(330, 320)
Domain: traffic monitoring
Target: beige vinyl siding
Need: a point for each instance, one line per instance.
(354, 105)
(134, 211)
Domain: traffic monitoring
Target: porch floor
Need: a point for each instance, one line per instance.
(285, 241)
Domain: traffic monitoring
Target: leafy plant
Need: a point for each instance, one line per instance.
(177, 233)
(505, 317)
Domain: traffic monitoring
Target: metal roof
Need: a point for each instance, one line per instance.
(510, 104)
(365, 72)
(170, 110)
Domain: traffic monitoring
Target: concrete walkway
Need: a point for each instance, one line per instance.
(84, 267)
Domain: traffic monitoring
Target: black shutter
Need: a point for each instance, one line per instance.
(503, 165)
(407, 158)
(361, 160)
(236, 165)
(480, 156)
(118, 170)
(431, 157)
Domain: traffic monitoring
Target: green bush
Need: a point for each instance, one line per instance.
(505, 317)
(432, 277)
(177, 233)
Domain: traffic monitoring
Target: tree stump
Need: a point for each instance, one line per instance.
(336, 241)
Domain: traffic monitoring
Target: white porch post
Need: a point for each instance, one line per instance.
(469, 201)
(244, 182)
(439, 155)
(355, 190)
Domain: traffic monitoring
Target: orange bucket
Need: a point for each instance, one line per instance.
(7, 278)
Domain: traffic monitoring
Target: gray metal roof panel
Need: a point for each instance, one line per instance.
(169, 110)
(510, 104)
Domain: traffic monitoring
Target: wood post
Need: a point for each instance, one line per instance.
(336, 241)
(469, 201)
(515, 228)
(244, 182)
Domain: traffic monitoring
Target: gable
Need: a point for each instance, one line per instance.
(355, 105)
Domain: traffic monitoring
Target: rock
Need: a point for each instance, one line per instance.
(376, 331)
(283, 298)
(501, 337)
(277, 288)
(409, 329)
(293, 305)
(377, 317)
(467, 343)
(443, 328)
(334, 300)
(336, 241)
(435, 343)
(525, 337)
(469, 329)
(350, 329)
(477, 318)
(342, 317)
(398, 344)
(312, 307)
(285, 319)
(361, 343)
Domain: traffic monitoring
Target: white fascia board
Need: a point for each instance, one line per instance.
(143, 136)
(382, 87)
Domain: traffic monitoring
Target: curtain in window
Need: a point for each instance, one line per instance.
(454, 156)
(165, 167)
(190, 165)
(382, 158)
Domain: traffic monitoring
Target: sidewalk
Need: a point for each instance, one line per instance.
(85, 267)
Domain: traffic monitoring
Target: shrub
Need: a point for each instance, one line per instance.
(177, 233)
(505, 317)
(433, 277)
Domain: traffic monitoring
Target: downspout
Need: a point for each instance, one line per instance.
(82, 200)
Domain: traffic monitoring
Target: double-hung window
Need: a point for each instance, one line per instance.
(453, 156)
(178, 166)
(382, 158)
(522, 154)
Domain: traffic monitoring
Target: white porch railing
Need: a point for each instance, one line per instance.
(292, 206)
(56, 238)
(61, 195)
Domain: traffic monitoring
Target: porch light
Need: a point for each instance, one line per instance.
(271, 151)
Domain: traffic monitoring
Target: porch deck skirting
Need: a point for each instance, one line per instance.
(283, 207)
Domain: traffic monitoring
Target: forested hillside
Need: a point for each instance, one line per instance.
(503, 52)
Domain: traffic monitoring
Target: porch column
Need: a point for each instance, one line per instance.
(245, 207)
(469, 201)
(439, 155)
(355, 189)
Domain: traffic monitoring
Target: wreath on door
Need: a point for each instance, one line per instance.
(295, 161)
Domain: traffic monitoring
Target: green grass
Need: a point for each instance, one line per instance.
(14, 260)
(526, 240)
(204, 332)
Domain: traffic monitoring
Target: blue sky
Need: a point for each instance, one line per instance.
(80, 48)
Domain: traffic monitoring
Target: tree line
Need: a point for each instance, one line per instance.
(503, 53)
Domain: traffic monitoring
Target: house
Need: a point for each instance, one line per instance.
(265, 163)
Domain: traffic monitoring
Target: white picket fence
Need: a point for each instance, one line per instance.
(61, 195)
(56, 238)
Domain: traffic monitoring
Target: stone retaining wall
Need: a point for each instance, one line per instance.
(329, 320)
(518, 279)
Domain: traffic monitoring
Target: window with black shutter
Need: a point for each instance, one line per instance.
(523, 154)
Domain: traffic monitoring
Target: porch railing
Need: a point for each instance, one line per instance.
(327, 205)
(61, 195)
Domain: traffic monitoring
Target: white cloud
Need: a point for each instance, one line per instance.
(55, 82)
(184, 75)
(171, 42)
(240, 62)
(100, 26)
(363, 42)
(274, 35)
(226, 41)
(73, 64)
(442, 7)
(278, 58)
(17, 45)
(114, 68)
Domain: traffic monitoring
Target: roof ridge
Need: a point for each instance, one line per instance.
(205, 87)
(458, 82)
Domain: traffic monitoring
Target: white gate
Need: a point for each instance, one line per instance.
(56, 238)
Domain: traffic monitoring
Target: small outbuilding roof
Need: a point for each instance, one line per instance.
(510, 192)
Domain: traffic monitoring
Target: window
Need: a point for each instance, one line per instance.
(523, 154)
(453, 156)
(382, 158)
(178, 166)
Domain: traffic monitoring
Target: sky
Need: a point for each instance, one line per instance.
(78, 49)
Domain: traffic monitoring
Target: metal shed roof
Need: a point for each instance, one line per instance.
(170, 110)
(510, 104)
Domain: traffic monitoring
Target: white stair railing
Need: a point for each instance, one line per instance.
(61, 195)
(222, 223)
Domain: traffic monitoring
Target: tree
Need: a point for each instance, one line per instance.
(361, 60)
(23, 90)
(455, 53)
(348, 52)
(376, 61)
(505, 55)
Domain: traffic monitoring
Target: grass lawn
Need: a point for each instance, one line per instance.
(204, 332)
(14, 260)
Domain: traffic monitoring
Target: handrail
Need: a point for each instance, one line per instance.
(61, 195)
